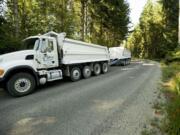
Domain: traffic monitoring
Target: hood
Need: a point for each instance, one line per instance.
(18, 55)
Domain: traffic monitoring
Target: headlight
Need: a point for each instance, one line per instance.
(1, 71)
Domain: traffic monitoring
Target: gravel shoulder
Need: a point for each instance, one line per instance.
(137, 109)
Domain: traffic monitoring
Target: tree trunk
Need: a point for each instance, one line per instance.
(87, 20)
(23, 20)
(179, 25)
(83, 10)
(16, 17)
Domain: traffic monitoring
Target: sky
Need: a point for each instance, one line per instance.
(136, 7)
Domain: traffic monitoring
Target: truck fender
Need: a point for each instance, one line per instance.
(24, 68)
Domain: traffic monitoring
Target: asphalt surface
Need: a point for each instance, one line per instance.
(116, 103)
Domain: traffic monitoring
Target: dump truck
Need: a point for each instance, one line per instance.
(119, 56)
(49, 57)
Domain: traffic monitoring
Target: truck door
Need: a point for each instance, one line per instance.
(47, 55)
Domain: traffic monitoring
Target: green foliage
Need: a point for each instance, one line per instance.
(171, 76)
(173, 56)
(112, 19)
(177, 83)
(40, 16)
(171, 10)
(170, 70)
(98, 21)
(173, 110)
(7, 44)
(157, 33)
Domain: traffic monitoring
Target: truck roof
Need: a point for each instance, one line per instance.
(40, 36)
(120, 47)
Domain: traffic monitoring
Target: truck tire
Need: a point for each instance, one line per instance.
(128, 61)
(86, 72)
(21, 84)
(97, 69)
(118, 63)
(124, 62)
(75, 74)
(105, 67)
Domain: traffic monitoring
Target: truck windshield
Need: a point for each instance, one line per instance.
(30, 44)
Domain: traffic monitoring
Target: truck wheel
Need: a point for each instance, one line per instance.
(21, 84)
(75, 74)
(124, 62)
(128, 61)
(105, 67)
(86, 72)
(97, 69)
(118, 63)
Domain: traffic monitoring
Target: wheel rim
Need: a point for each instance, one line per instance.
(76, 74)
(97, 69)
(105, 67)
(22, 85)
(87, 72)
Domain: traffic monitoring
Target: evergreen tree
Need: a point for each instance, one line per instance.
(99, 21)
(157, 33)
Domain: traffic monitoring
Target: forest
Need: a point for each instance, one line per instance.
(156, 35)
(102, 22)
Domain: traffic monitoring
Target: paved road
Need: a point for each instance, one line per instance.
(117, 103)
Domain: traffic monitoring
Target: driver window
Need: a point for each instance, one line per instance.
(43, 46)
(50, 46)
(36, 47)
(46, 46)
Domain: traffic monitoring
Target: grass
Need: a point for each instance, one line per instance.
(145, 132)
(172, 125)
(169, 124)
(171, 89)
(170, 70)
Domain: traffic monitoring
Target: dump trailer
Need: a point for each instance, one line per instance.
(50, 57)
(119, 56)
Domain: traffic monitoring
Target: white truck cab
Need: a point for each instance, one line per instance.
(18, 69)
(47, 58)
